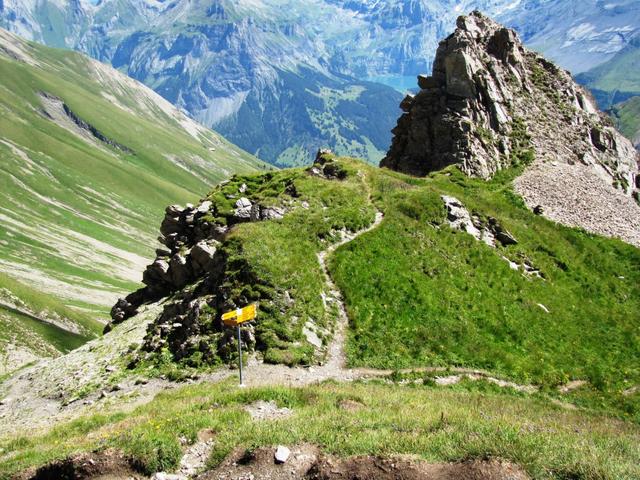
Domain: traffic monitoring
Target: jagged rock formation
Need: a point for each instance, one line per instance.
(202, 272)
(492, 104)
(200, 275)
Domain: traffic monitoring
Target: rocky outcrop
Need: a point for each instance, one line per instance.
(201, 272)
(191, 237)
(485, 83)
(491, 104)
(490, 231)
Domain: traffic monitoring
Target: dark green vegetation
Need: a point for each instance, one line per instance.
(617, 79)
(353, 119)
(89, 160)
(435, 424)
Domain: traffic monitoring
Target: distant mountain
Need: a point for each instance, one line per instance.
(618, 79)
(84, 151)
(578, 36)
(281, 78)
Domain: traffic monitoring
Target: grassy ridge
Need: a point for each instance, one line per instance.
(435, 424)
(419, 294)
(443, 298)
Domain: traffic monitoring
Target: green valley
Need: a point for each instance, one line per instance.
(89, 158)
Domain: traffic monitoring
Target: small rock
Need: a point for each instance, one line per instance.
(425, 81)
(543, 307)
(321, 153)
(111, 368)
(167, 476)
(407, 103)
(243, 202)
(204, 206)
(282, 454)
(243, 188)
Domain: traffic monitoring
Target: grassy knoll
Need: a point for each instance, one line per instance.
(435, 424)
(418, 293)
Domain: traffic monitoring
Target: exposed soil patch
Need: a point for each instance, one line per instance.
(107, 465)
(406, 468)
(306, 461)
(262, 410)
(260, 464)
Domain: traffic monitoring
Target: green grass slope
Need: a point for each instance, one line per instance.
(438, 425)
(442, 298)
(88, 160)
(627, 117)
(419, 294)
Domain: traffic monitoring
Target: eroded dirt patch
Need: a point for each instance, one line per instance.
(307, 462)
(406, 468)
(107, 465)
(262, 410)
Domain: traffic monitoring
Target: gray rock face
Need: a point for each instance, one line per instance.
(492, 103)
(203, 256)
(489, 231)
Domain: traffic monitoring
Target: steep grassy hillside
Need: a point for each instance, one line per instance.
(545, 305)
(627, 117)
(89, 160)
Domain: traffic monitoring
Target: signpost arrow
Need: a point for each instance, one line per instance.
(235, 318)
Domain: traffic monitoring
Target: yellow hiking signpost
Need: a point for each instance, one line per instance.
(235, 318)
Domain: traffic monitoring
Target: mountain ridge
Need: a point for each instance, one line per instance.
(493, 104)
(229, 63)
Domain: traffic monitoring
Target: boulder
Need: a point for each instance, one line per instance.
(202, 256)
(271, 213)
(426, 82)
(407, 103)
(180, 271)
(157, 273)
(459, 218)
(243, 209)
(122, 310)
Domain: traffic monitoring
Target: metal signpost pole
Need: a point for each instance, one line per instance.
(240, 355)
